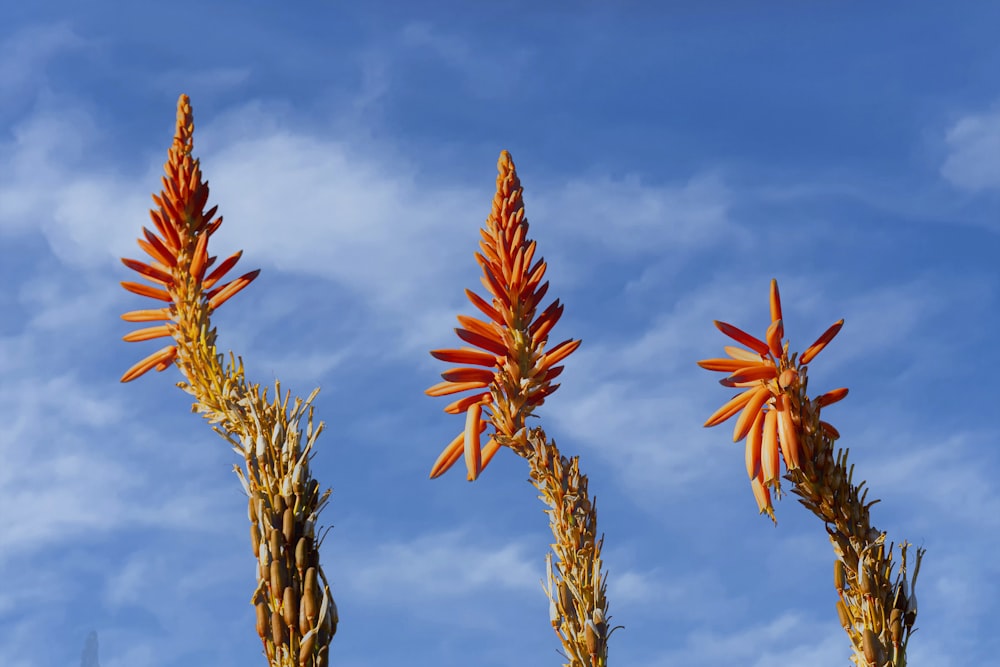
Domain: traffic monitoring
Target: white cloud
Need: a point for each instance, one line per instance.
(25, 55)
(974, 144)
(52, 181)
(441, 565)
(485, 74)
(788, 640)
(630, 218)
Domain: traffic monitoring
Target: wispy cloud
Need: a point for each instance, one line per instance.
(27, 53)
(441, 565)
(482, 72)
(973, 143)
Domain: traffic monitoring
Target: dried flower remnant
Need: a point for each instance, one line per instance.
(515, 371)
(509, 371)
(296, 616)
(781, 423)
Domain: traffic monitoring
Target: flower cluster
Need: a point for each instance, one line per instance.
(507, 366)
(771, 381)
(179, 261)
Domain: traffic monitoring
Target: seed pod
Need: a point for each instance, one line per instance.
(288, 526)
(872, 647)
(252, 510)
(279, 505)
(306, 647)
(310, 597)
(274, 542)
(566, 602)
(839, 577)
(864, 580)
(255, 538)
(304, 627)
(896, 626)
(277, 628)
(290, 608)
(263, 627)
(845, 618)
(590, 633)
(323, 657)
(279, 578)
(302, 554)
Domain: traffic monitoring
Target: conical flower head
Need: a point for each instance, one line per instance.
(770, 403)
(507, 364)
(179, 263)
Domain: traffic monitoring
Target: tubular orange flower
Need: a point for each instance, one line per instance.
(771, 381)
(179, 254)
(510, 344)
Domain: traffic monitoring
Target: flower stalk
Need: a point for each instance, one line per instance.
(781, 423)
(509, 367)
(296, 614)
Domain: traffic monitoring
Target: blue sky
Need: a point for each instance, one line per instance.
(674, 161)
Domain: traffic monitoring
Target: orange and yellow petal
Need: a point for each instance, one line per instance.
(762, 495)
(221, 270)
(755, 440)
(743, 337)
(769, 454)
(831, 397)
(775, 301)
(148, 315)
(451, 454)
(146, 290)
(150, 272)
(740, 353)
(750, 412)
(149, 333)
(725, 365)
(557, 354)
(775, 333)
(733, 406)
(473, 450)
(447, 388)
(218, 297)
(763, 371)
(468, 375)
(787, 433)
(462, 404)
(159, 359)
(465, 356)
(821, 342)
(486, 343)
